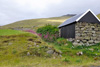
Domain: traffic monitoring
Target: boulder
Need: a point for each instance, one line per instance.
(50, 51)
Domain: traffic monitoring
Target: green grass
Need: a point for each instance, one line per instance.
(89, 57)
(10, 32)
(14, 48)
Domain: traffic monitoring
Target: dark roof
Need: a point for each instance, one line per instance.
(70, 20)
(76, 18)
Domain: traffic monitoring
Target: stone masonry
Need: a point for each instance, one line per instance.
(86, 34)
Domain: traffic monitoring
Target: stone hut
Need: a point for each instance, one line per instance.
(81, 29)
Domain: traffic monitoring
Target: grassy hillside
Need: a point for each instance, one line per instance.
(23, 50)
(35, 23)
(98, 16)
(10, 32)
(29, 50)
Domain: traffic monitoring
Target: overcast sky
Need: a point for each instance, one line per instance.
(15, 10)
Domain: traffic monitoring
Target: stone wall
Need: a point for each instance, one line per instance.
(86, 33)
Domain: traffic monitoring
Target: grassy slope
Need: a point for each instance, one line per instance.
(10, 32)
(98, 16)
(14, 48)
(18, 45)
(35, 23)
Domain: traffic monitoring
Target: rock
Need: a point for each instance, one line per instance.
(78, 41)
(70, 39)
(28, 53)
(50, 51)
(84, 41)
(10, 43)
(60, 55)
(94, 35)
(87, 38)
(97, 41)
(79, 53)
(75, 43)
(87, 44)
(37, 45)
(90, 41)
(55, 53)
(82, 28)
(93, 31)
(34, 43)
(91, 49)
(60, 52)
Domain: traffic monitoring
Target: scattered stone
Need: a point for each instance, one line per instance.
(28, 53)
(80, 53)
(60, 55)
(37, 45)
(55, 53)
(34, 43)
(10, 43)
(60, 52)
(50, 51)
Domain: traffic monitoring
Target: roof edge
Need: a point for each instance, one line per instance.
(85, 14)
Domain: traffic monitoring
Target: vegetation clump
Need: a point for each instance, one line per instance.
(61, 41)
(48, 33)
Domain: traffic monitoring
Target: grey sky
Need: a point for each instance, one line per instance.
(15, 10)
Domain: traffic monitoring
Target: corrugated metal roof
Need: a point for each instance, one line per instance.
(70, 20)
